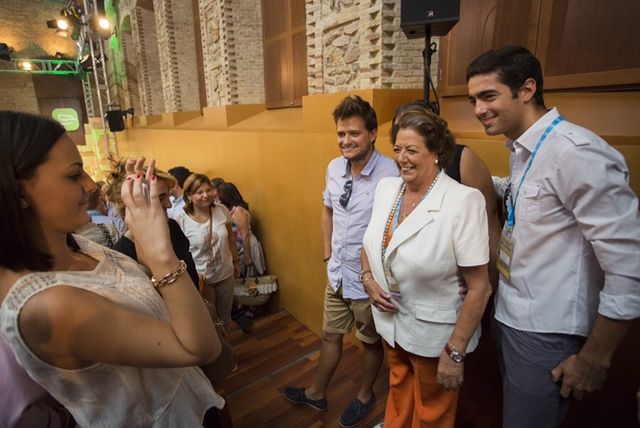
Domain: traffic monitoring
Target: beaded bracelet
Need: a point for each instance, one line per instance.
(171, 277)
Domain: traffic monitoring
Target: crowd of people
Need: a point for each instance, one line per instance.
(413, 246)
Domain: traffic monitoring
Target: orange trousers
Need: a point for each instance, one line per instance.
(415, 398)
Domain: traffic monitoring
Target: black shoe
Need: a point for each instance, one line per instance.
(245, 324)
(355, 412)
(296, 395)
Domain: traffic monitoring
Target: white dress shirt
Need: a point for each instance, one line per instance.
(446, 230)
(576, 235)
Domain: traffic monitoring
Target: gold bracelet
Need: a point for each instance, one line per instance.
(171, 277)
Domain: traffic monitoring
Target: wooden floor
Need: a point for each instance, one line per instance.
(282, 352)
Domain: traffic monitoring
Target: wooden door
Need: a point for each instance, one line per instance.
(285, 52)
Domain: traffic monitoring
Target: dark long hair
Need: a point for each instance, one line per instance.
(25, 141)
(230, 196)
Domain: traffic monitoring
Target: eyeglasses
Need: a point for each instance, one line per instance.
(344, 199)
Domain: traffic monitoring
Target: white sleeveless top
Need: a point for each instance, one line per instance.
(104, 395)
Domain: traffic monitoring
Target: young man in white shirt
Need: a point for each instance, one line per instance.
(569, 254)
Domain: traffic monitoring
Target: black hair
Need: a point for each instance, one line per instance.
(513, 65)
(180, 173)
(25, 142)
(354, 106)
(403, 108)
(230, 196)
(217, 182)
(433, 129)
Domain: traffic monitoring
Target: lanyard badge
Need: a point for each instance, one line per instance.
(506, 245)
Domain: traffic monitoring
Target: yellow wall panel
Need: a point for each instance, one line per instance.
(280, 169)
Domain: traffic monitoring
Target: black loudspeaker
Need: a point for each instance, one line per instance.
(415, 15)
(115, 120)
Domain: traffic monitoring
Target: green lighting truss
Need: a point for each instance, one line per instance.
(44, 66)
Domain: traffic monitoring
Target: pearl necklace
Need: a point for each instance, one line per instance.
(396, 207)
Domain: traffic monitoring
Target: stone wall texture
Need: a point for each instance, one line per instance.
(358, 44)
(147, 61)
(232, 51)
(18, 93)
(132, 92)
(177, 51)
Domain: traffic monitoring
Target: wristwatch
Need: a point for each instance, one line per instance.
(363, 273)
(453, 353)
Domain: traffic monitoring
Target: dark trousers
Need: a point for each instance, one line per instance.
(530, 398)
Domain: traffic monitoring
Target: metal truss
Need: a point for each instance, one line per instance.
(42, 66)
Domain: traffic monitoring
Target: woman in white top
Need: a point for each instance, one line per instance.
(427, 232)
(85, 322)
(212, 244)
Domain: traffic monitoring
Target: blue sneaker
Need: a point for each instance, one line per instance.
(296, 395)
(356, 412)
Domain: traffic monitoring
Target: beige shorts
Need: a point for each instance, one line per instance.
(341, 314)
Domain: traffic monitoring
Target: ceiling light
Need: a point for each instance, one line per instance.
(26, 66)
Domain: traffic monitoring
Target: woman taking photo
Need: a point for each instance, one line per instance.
(427, 232)
(112, 346)
(212, 244)
(249, 248)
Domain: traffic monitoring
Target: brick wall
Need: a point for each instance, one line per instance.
(177, 50)
(248, 53)
(23, 27)
(143, 29)
(17, 93)
(132, 92)
(232, 51)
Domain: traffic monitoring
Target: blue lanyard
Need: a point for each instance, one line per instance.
(511, 206)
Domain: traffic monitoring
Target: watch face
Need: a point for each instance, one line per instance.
(457, 358)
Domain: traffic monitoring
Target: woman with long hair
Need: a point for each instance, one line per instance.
(249, 248)
(111, 345)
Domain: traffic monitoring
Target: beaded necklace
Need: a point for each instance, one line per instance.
(395, 213)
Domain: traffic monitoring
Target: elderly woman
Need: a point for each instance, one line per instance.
(207, 225)
(426, 231)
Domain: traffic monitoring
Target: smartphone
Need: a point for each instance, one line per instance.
(145, 192)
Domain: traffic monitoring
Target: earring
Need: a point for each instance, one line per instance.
(436, 161)
(24, 203)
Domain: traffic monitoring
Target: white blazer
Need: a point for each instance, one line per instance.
(446, 230)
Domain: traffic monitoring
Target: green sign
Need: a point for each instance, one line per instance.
(67, 117)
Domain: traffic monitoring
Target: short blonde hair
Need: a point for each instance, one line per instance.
(117, 176)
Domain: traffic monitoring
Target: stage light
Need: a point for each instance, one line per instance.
(104, 23)
(101, 26)
(59, 55)
(62, 24)
(26, 66)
